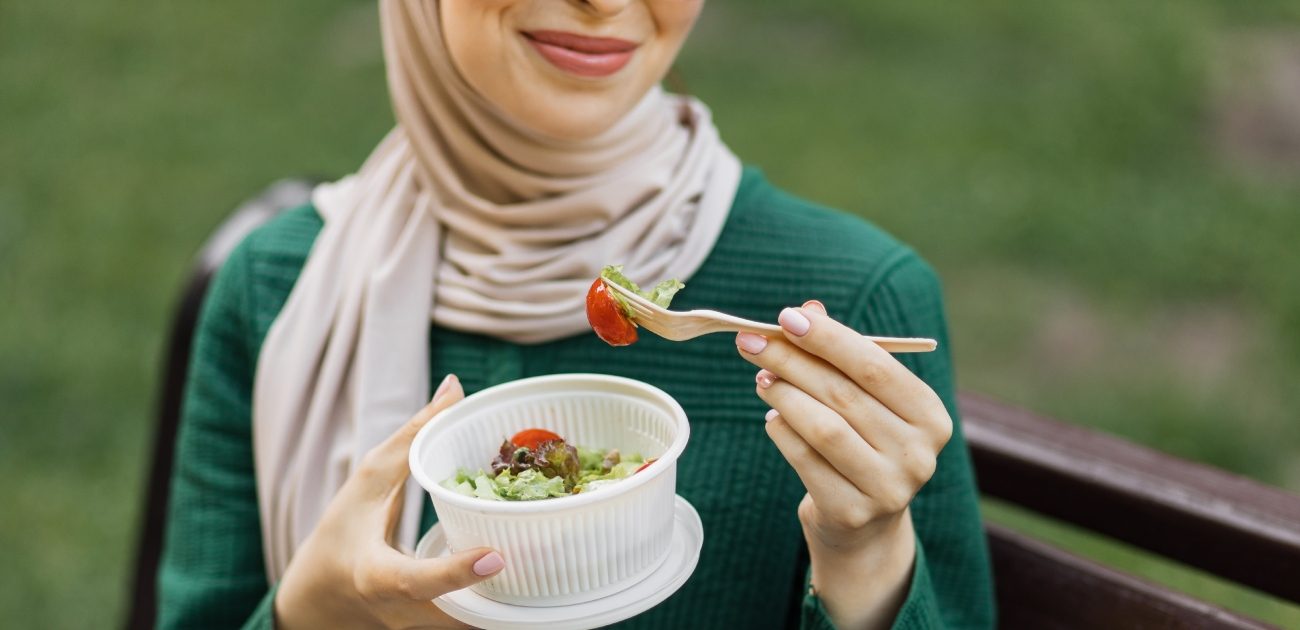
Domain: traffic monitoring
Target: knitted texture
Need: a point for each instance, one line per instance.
(775, 251)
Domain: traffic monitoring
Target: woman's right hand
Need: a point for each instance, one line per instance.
(347, 574)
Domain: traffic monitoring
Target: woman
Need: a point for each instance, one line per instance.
(533, 146)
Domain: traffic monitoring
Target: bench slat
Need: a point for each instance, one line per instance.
(1042, 587)
(1225, 524)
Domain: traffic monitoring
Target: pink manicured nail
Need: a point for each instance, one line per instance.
(771, 415)
(489, 564)
(442, 388)
(815, 306)
(751, 343)
(764, 379)
(794, 322)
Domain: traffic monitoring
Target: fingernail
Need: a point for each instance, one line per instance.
(794, 322)
(771, 415)
(764, 379)
(751, 343)
(489, 564)
(442, 388)
(816, 306)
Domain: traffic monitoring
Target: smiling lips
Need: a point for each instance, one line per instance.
(581, 55)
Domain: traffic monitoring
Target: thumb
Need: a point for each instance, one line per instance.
(425, 579)
(815, 305)
(448, 394)
(385, 466)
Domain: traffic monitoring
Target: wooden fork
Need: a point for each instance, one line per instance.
(683, 325)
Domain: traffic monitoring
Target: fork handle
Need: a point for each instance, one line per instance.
(895, 345)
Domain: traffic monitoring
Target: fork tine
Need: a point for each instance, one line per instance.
(632, 297)
(643, 307)
(646, 314)
(641, 312)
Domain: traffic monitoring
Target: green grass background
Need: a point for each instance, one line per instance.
(1057, 160)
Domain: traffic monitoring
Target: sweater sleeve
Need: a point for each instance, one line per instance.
(951, 584)
(211, 574)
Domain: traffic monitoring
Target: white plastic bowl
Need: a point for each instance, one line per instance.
(565, 550)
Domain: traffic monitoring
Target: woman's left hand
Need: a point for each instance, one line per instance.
(862, 432)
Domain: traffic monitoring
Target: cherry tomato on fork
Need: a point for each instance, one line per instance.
(607, 318)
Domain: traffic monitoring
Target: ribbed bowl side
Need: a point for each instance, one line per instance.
(568, 556)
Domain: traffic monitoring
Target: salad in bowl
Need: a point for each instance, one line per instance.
(538, 464)
(573, 524)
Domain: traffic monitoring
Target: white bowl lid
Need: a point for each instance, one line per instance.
(478, 611)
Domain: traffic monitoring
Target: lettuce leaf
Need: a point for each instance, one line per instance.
(477, 484)
(462, 487)
(590, 458)
(485, 488)
(557, 459)
(662, 294)
(530, 485)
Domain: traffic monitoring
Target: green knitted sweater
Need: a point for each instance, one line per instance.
(774, 251)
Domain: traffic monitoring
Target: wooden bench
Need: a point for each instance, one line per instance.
(1228, 526)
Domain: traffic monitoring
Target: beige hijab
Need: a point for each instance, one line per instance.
(465, 218)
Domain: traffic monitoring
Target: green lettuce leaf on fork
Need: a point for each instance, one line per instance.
(662, 293)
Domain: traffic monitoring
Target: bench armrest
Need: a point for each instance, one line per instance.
(1228, 525)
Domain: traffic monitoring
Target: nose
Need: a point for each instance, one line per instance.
(606, 7)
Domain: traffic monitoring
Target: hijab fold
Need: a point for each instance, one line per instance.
(464, 218)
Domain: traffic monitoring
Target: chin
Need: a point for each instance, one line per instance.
(568, 116)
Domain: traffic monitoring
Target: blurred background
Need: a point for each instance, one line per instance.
(1110, 190)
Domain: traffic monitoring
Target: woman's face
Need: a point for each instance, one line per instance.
(566, 68)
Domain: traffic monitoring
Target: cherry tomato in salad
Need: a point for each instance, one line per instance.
(532, 438)
(607, 318)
